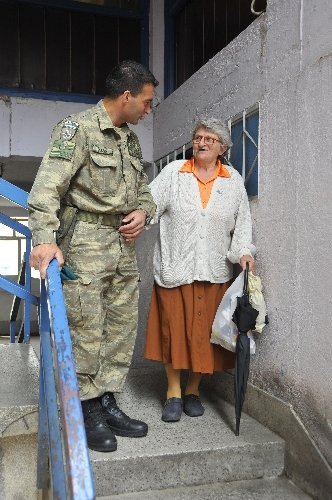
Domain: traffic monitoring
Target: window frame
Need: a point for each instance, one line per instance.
(171, 9)
(72, 5)
(238, 118)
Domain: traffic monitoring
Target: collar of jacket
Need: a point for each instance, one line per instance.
(105, 122)
(189, 166)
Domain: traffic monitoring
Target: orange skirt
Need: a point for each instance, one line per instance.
(179, 327)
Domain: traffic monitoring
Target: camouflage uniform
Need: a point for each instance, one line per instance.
(97, 168)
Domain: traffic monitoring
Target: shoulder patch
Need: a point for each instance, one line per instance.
(69, 129)
(62, 149)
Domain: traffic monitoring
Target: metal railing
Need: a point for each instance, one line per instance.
(70, 467)
(63, 458)
(22, 289)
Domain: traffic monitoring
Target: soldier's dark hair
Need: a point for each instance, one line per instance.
(128, 75)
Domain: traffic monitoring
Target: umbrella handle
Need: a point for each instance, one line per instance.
(246, 279)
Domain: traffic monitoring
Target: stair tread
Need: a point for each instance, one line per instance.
(213, 431)
(258, 489)
(192, 451)
(18, 389)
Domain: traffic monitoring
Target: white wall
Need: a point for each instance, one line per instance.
(26, 125)
(284, 62)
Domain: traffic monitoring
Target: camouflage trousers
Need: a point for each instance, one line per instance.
(102, 307)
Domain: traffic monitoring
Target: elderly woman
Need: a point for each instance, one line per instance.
(205, 228)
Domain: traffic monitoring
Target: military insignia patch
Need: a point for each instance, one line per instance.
(134, 148)
(101, 149)
(69, 129)
(62, 149)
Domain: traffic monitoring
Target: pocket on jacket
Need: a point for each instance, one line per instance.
(105, 173)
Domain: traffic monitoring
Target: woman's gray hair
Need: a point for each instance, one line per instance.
(217, 126)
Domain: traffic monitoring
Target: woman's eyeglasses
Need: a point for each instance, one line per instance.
(206, 139)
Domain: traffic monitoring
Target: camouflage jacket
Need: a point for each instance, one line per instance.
(92, 165)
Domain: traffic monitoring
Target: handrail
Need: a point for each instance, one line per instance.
(79, 473)
(66, 454)
(13, 193)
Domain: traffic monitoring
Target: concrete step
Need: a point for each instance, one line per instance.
(18, 390)
(191, 452)
(18, 421)
(253, 489)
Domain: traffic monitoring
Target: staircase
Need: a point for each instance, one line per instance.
(196, 458)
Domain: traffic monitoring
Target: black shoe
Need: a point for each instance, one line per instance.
(118, 421)
(172, 410)
(192, 405)
(98, 434)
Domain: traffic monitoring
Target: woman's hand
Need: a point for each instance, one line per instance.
(248, 258)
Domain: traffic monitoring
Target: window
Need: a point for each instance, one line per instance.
(196, 31)
(244, 153)
(69, 49)
(12, 248)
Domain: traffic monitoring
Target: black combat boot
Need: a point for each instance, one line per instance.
(98, 434)
(118, 421)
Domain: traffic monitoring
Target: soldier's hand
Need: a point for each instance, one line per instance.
(133, 225)
(41, 256)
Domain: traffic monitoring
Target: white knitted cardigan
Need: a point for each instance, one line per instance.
(197, 243)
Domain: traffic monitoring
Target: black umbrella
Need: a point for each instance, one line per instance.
(245, 319)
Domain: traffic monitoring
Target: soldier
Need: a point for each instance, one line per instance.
(92, 191)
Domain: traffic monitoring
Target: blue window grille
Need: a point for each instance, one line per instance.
(244, 153)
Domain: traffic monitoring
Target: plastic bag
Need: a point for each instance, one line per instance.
(224, 330)
(257, 301)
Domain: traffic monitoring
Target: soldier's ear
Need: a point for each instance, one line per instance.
(126, 95)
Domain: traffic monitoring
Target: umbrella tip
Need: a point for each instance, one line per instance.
(237, 429)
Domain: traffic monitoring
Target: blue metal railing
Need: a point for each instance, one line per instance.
(62, 448)
(23, 291)
(74, 478)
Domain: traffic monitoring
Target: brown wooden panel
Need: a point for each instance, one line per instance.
(246, 16)
(129, 39)
(180, 54)
(32, 47)
(209, 29)
(9, 64)
(106, 49)
(198, 35)
(220, 21)
(233, 19)
(82, 53)
(57, 29)
(189, 38)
